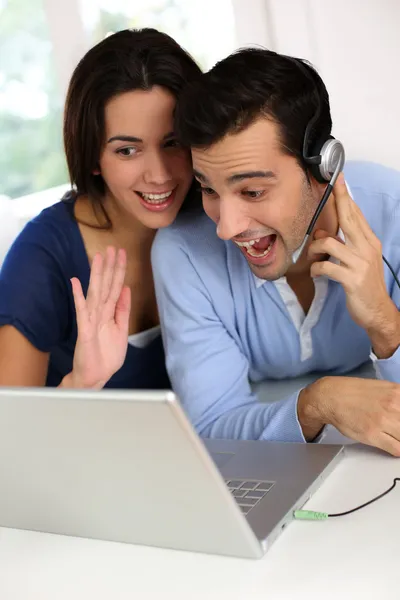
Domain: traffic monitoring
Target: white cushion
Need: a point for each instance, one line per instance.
(9, 226)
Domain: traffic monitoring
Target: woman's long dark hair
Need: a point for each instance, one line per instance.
(133, 59)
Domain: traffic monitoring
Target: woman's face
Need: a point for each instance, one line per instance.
(146, 172)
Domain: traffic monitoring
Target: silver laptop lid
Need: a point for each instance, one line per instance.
(114, 465)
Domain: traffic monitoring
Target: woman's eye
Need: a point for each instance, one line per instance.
(207, 191)
(127, 151)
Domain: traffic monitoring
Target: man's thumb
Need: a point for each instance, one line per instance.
(320, 234)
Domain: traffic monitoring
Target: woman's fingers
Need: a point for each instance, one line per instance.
(95, 283)
(82, 313)
(123, 309)
(116, 285)
(108, 273)
(106, 283)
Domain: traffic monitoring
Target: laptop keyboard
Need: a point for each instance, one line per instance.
(248, 492)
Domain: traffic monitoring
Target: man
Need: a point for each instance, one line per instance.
(235, 308)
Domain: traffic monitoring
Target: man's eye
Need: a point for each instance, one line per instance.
(172, 144)
(207, 191)
(254, 193)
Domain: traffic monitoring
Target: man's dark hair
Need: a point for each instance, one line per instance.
(249, 84)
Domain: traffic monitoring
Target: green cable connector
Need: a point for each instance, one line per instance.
(310, 515)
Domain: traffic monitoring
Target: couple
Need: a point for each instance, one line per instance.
(220, 277)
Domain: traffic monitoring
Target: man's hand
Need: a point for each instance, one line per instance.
(360, 271)
(365, 410)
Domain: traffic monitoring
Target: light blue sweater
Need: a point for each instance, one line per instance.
(223, 327)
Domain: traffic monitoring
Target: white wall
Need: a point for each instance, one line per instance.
(355, 45)
(64, 24)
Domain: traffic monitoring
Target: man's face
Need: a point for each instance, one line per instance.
(258, 196)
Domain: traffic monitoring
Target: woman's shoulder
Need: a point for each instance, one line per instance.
(52, 230)
(35, 294)
(57, 217)
(50, 241)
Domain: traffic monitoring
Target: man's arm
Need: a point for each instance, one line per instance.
(360, 270)
(208, 371)
(210, 374)
(386, 350)
(365, 410)
(385, 339)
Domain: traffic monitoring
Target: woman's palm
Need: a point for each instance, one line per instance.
(103, 321)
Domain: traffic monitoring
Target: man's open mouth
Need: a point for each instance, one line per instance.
(259, 247)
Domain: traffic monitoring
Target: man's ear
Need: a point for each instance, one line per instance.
(318, 188)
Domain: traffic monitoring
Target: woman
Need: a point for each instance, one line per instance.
(130, 177)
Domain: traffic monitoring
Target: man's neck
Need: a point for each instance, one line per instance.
(328, 221)
(298, 275)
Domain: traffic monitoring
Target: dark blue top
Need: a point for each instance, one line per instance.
(36, 298)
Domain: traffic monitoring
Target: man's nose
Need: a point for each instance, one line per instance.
(231, 222)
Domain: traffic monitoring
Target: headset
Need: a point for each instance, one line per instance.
(325, 160)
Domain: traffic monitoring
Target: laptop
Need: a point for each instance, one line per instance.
(127, 466)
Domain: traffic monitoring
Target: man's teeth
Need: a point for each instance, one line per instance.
(252, 252)
(248, 244)
(256, 254)
(156, 198)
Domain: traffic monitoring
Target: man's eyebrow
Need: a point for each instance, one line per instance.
(200, 176)
(135, 140)
(250, 175)
(238, 176)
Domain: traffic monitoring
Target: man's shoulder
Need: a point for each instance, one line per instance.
(191, 245)
(376, 190)
(191, 230)
(371, 179)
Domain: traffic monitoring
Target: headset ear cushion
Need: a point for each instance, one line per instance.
(319, 143)
(330, 151)
(315, 151)
(316, 173)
